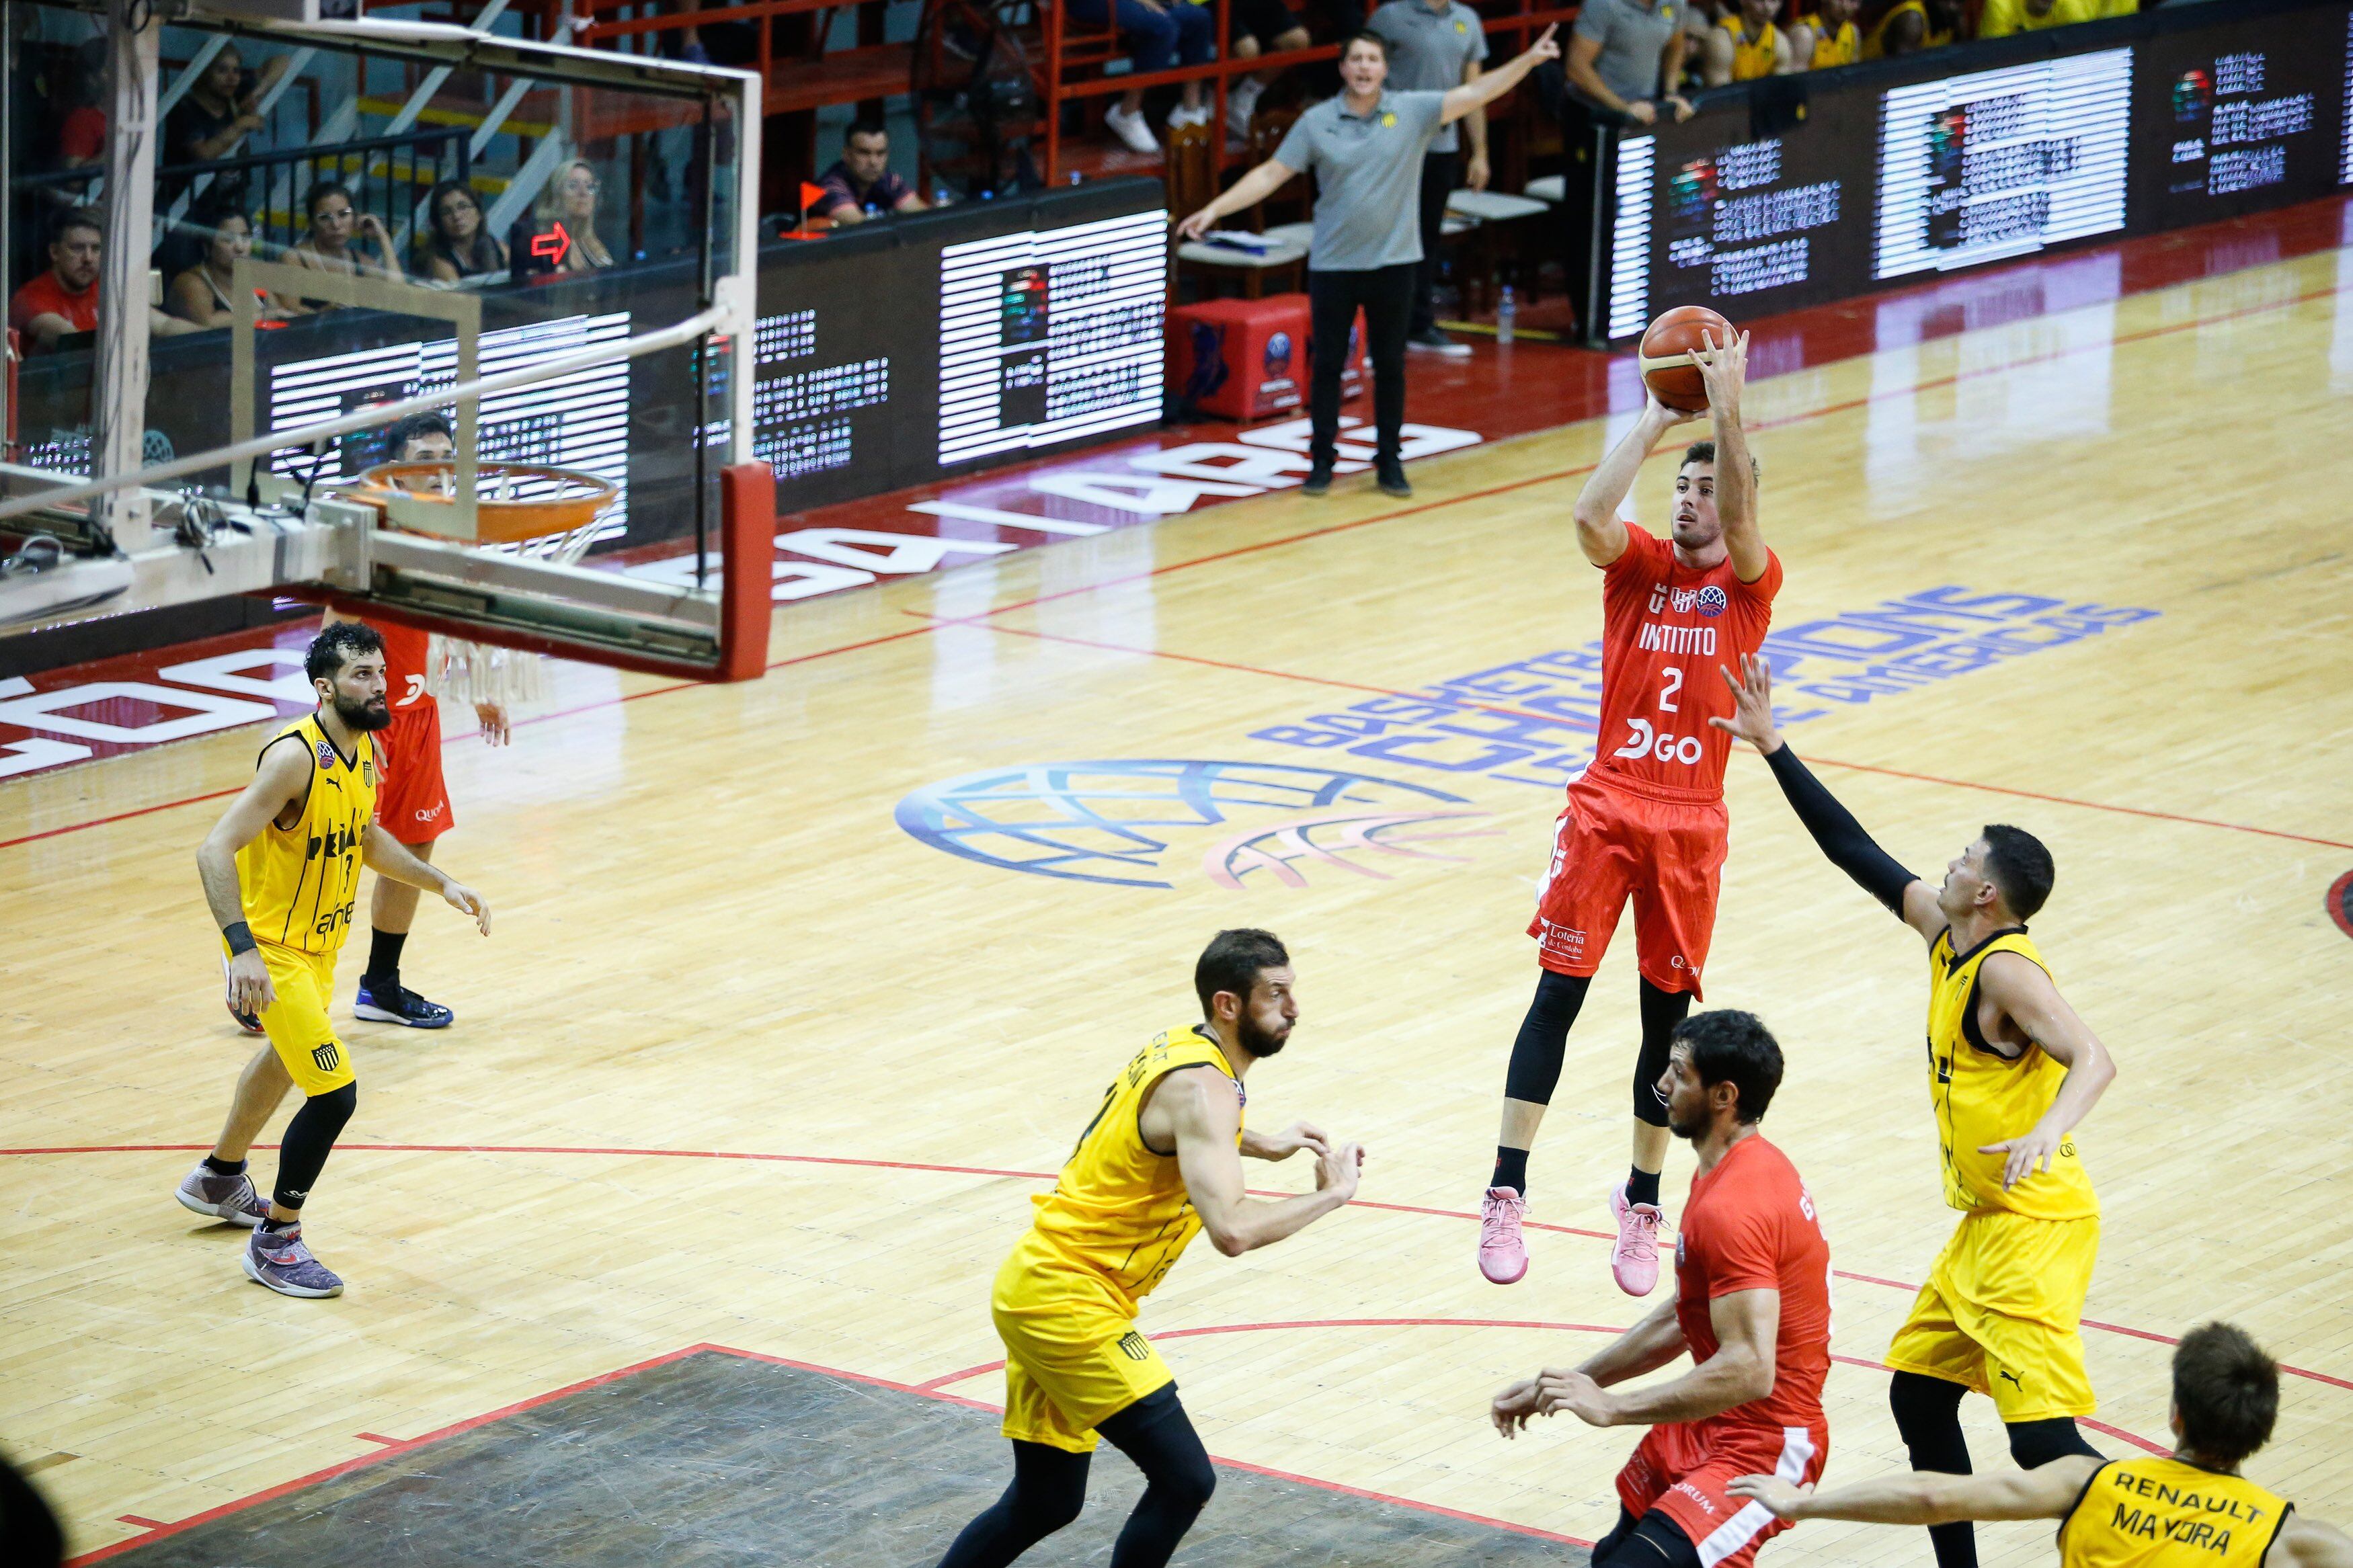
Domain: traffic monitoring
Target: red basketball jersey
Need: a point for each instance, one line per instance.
(405, 650)
(1749, 1224)
(1666, 630)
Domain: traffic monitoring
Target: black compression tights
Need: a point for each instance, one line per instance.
(1543, 1041)
(302, 1152)
(1928, 1414)
(1050, 1488)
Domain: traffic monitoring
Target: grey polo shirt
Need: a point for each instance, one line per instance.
(1633, 38)
(1368, 169)
(1428, 49)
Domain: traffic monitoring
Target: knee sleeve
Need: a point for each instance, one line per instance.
(1927, 1412)
(2035, 1444)
(302, 1154)
(1656, 1541)
(1662, 1011)
(1543, 1039)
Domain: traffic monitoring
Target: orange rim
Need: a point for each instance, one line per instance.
(500, 519)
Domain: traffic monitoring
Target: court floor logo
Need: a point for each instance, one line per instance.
(1115, 821)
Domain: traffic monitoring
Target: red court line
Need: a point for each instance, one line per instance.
(975, 1171)
(1522, 713)
(158, 1529)
(379, 1437)
(1331, 529)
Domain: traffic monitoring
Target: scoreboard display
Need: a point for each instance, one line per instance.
(1888, 173)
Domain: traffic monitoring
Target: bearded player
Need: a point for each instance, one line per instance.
(1160, 1162)
(1647, 819)
(1752, 1306)
(2012, 1071)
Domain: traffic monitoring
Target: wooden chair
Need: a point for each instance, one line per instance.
(1288, 207)
(1191, 173)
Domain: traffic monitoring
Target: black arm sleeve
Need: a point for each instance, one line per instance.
(1841, 838)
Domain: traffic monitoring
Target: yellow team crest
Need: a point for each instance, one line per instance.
(1389, 118)
(1461, 27)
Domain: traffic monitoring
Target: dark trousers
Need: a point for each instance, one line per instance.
(1438, 175)
(1386, 295)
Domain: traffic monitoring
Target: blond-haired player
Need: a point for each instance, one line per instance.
(1160, 1162)
(279, 871)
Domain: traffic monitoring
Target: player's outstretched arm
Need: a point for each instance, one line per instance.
(2308, 1543)
(2019, 987)
(387, 856)
(1724, 368)
(1199, 1108)
(1747, 1326)
(1649, 1345)
(1599, 533)
(1835, 830)
(280, 779)
(1924, 1496)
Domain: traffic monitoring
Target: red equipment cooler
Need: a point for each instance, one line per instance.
(1246, 359)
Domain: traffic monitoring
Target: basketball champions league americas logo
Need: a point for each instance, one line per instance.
(1125, 823)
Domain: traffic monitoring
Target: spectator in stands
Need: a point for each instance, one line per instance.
(1159, 34)
(861, 185)
(219, 110)
(2002, 17)
(1255, 28)
(461, 244)
(1699, 19)
(64, 300)
(81, 133)
(203, 295)
(1913, 25)
(328, 248)
(1435, 46)
(1827, 37)
(1745, 46)
(1365, 148)
(569, 203)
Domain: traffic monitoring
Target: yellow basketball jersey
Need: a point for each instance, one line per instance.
(2164, 1513)
(1933, 39)
(298, 883)
(1839, 47)
(1118, 1207)
(1749, 60)
(1983, 1097)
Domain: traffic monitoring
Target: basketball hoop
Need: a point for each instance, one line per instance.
(512, 501)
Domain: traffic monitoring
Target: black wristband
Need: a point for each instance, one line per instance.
(239, 938)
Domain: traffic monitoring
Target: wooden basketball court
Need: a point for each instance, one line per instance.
(747, 1063)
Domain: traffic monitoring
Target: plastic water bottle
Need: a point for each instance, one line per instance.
(1507, 312)
(1074, 177)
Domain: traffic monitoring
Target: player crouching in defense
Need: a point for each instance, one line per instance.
(2192, 1508)
(1752, 1306)
(1160, 1162)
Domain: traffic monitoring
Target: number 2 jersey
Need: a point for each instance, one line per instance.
(1666, 631)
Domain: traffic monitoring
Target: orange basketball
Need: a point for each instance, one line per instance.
(1665, 355)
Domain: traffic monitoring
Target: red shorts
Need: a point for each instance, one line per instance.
(1681, 1468)
(1611, 843)
(411, 803)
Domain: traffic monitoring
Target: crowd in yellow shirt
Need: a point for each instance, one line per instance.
(1740, 40)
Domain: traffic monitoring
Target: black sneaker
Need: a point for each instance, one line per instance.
(1430, 340)
(1392, 477)
(395, 1004)
(1319, 480)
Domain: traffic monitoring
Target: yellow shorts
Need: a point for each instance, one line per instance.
(1072, 1358)
(297, 1022)
(2001, 1310)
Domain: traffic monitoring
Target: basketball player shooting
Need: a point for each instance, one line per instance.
(2012, 1071)
(1647, 819)
(1752, 1309)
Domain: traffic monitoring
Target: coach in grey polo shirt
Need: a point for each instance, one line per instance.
(1366, 147)
(1622, 53)
(1436, 45)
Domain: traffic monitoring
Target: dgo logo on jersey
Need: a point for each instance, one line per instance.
(1712, 601)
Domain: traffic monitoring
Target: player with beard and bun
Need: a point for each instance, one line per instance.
(279, 870)
(1647, 819)
(1160, 1162)
(1752, 1306)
